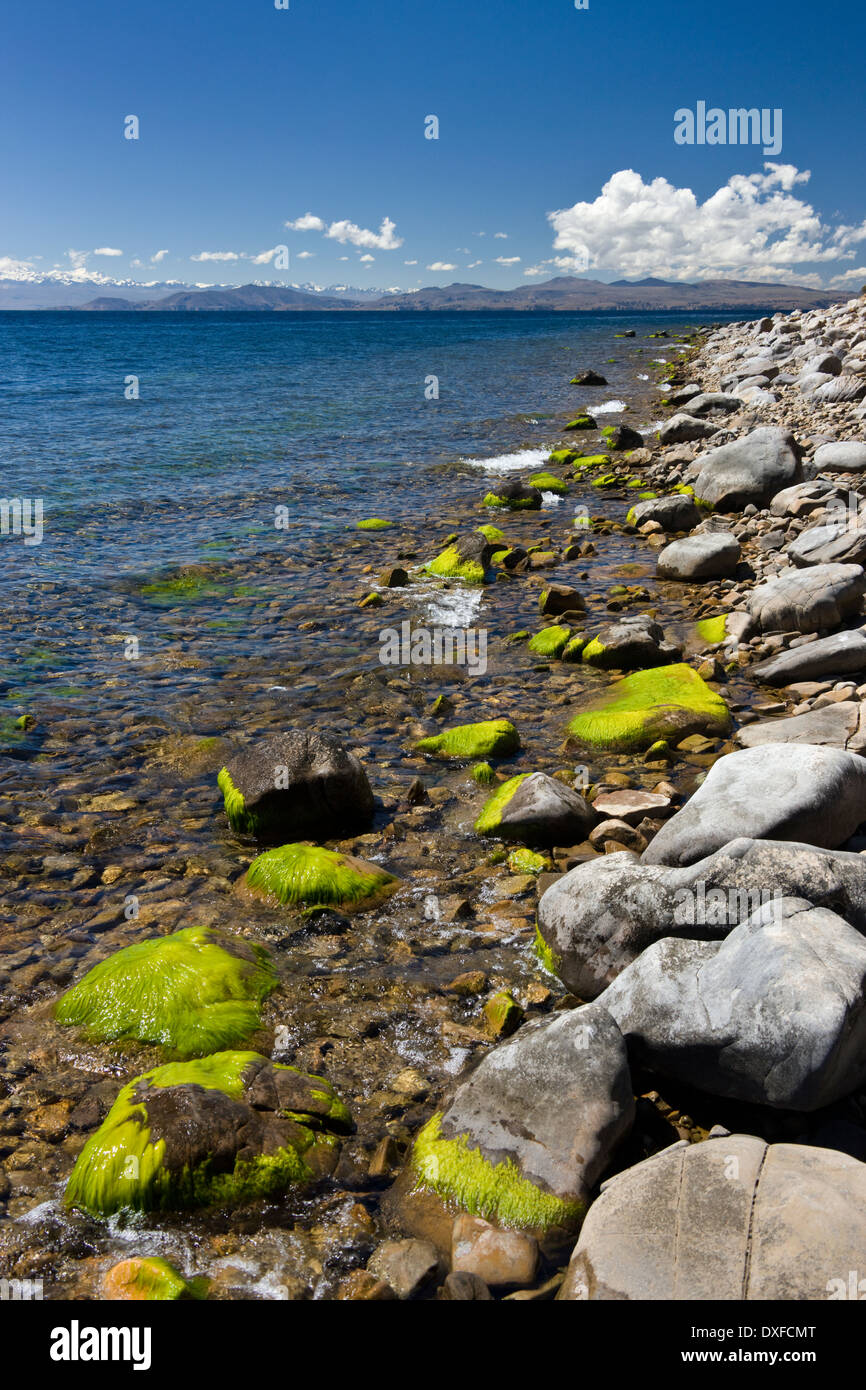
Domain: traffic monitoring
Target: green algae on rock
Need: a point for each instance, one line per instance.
(573, 650)
(527, 861)
(296, 785)
(488, 823)
(514, 496)
(545, 954)
(548, 482)
(449, 565)
(219, 1131)
(550, 641)
(147, 1279)
(195, 991)
(309, 876)
(712, 630)
(581, 422)
(492, 738)
(459, 1173)
(373, 523)
(560, 458)
(649, 705)
(483, 774)
(491, 533)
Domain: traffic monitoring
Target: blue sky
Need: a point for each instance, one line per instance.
(251, 117)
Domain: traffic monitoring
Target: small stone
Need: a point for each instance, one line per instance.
(408, 1266)
(502, 1015)
(462, 1287)
(469, 983)
(503, 1259)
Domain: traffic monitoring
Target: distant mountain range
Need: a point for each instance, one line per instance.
(563, 293)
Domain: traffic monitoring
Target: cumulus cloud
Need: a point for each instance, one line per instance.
(410, 262)
(12, 269)
(755, 227)
(216, 256)
(307, 223)
(107, 251)
(365, 260)
(500, 236)
(473, 264)
(441, 265)
(856, 274)
(305, 255)
(160, 256)
(507, 260)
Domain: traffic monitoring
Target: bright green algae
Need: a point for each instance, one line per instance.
(449, 565)
(548, 482)
(373, 523)
(459, 1173)
(712, 630)
(307, 874)
(550, 641)
(491, 814)
(119, 1167)
(184, 991)
(240, 819)
(526, 861)
(490, 739)
(545, 954)
(649, 705)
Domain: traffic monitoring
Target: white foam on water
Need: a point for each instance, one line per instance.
(457, 607)
(524, 459)
(550, 499)
(642, 376)
(610, 408)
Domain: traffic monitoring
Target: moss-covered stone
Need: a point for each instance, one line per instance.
(649, 705)
(493, 738)
(308, 876)
(550, 641)
(373, 523)
(502, 1014)
(450, 565)
(491, 534)
(460, 1173)
(581, 422)
(483, 774)
(514, 497)
(490, 819)
(712, 630)
(548, 482)
(526, 861)
(196, 991)
(589, 461)
(219, 1131)
(573, 649)
(561, 458)
(146, 1280)
(545, 954)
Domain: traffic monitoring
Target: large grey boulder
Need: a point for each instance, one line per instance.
(707, 555)
(297, 786)
(836, 655)
(790, 792)
(597, 919)
(751, 469)
(711, 402)
(835, 543)
(543, 811)
(807, 600)
(845, 456)
(838, 725)
(675, 513)
(803, 498)
(775, 1014)
(733, 1219)
(554, 1102)
(841, 388)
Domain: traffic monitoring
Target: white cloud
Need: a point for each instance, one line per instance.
(507, 260)
(160, 256)
(754, 227)
(441, 265)
(264, 257)
(307, 223)
(859, 273)
(10, 269)
(500, 236)
(537, 269)
(107, 251)
(216, 256)
(305, 255)
(383, 240)
(410, 262)
(473, 264)
(366, 259)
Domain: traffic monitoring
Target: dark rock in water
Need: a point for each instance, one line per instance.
(597, 919)
(461, 1287)
(536, 810)
(407, 1266)
(708, 555)
(619, 437)
(528, 1134)
(751, 469)
(634, 643)
(514, 496)
(561, 598)
(836, 655)
(733, 1218)
(222, 1130)
(806, 600)
(296, 786)
(468, 558)
(775, 1014)
(395, 578)
(589, 378)
(794, 792)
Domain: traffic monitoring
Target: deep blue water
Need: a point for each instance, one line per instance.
(238, 413)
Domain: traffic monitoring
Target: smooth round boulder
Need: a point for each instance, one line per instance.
(707, 555)
(296, 785)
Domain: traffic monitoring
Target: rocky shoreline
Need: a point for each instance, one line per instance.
(541, 980)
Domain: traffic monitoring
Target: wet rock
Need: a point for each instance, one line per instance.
(597, 919)
(536, 810)
(618, 437)
(666, 702)
(775, 1014)
(635, 642)
(296, 785)
(460, 1287)
(733, 1219)
(561, 598)
(795, 792)
(675, 513)
(589, 378)
(409, 1267)
(514, 496)
(502, 1259)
